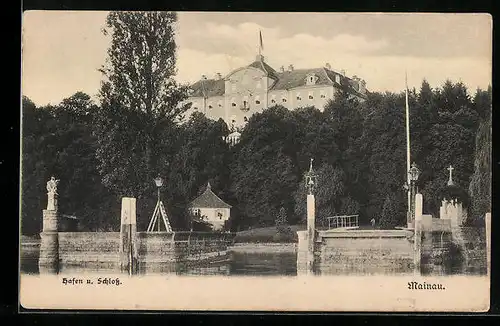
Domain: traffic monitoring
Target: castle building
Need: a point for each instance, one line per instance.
(255, 87)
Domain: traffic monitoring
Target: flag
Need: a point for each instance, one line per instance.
(261, 45)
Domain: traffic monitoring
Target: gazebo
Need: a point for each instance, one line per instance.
(211, 209)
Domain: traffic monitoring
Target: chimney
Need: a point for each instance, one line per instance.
(290, 68)
(282, 69)
(203, 77)
(342, 72)
(259, 57)
(218, 76)
(327, 66)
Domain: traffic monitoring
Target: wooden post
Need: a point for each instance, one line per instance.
(417, 242)
(311, 232)
(128, 234)
(487, 222)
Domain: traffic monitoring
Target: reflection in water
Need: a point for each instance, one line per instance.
(284, 263)
(463, 254)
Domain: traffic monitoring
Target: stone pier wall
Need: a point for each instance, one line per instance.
(365, 252)
(100, 251)
(89, 250)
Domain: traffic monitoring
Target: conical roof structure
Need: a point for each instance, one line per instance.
(209, 200)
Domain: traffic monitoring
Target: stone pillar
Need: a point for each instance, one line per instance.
(302, 248)
(487, 222)
(128, 236)
(48, 261)
(311, 231)
(419, 201)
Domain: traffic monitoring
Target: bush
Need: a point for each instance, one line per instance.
(390, 213)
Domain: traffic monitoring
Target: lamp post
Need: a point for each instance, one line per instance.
(159, 183)
(311, 183)
(311, 179)
(413, 175)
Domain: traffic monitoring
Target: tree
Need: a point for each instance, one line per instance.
(59, 141)
(140, 104)
(391, 213)
(201, 156)
(383, 145)
(480, 183)
(262, 172)
(451, 141)
(330, 191)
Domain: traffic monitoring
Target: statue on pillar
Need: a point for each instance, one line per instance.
(52, 194)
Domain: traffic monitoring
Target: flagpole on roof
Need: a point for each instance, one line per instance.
(261, 44)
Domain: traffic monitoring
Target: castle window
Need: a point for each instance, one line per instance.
(311, 97)
(283, 100)
(220, 104)
(273, 101)
(322, 94)
(245, 119)
(210, 106)
(195, 108)
(311, 79)
(298, 97)
(233, 104)
(257, 102)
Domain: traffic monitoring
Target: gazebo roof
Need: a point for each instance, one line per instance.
(209, 200)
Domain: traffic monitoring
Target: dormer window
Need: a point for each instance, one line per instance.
(311, 79)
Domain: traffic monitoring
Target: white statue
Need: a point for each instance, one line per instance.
(52, 194)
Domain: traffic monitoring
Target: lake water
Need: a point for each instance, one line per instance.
(468, 258)
(235, 263)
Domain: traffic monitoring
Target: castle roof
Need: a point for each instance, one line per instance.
(208, 88)
(283, 80)
(209, 200)
(267, 69)
(297, 77)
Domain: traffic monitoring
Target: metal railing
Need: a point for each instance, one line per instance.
(342, 221)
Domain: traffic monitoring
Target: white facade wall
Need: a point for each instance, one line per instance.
(215, 216)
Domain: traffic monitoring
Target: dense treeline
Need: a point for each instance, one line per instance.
(115, 148)
(358, 151)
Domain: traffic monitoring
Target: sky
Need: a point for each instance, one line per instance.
(62, 50)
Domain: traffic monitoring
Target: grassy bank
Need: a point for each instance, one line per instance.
(265, 235)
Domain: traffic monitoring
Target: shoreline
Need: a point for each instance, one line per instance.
(263, 247)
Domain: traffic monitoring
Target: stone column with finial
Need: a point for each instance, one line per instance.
(48, 261)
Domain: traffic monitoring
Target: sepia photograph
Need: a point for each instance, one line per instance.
(261, 161)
